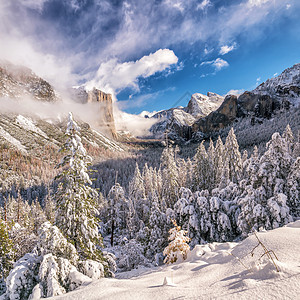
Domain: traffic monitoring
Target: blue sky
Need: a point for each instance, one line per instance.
(149, 53)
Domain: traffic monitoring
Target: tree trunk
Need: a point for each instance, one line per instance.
(112, 232)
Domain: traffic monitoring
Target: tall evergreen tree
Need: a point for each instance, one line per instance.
(6, 254)
(137, 194)
(218, 163)
(117, 208)
(274, 166)
(232, 157)
(202, 169)
(293, 182)
(76, 199)
(170, 181)
(288, 138)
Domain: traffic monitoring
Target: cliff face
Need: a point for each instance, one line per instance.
(218, 119)
(106, 116)
(18, 81)
(179, 122)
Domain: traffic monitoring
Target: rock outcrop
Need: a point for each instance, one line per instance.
(105, 109)
(285, 87)
(205, 114)
(178, 122)
(18, 81)
(218, 119)
(261, 106)
(202, 105)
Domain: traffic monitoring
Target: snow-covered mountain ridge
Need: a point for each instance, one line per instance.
(285, 85)
(178, 121)
(202, 105)
(18, 82)
(31, 135)
(213, 112)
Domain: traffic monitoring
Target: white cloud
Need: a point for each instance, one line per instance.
(203, 5)
(218, 63)
(177, 4)
(258, 80)
(114, 76)
(208, 51)
(235, 92)
(288, 6)
(253, 3)
(226, 49)
(137, 125)
(56, 70)
(33, 4)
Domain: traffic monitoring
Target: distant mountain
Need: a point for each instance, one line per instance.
(207, 114)
(286, 86)
(201, 105)
(106, 116)
(178, 121)
(19, 81)
(32, 136)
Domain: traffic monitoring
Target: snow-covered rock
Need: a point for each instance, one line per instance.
(284, 86)
(201, 105)
(177, 122)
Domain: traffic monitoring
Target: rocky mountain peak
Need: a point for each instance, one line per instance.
(105, 108)
(179, 121)
(19, 81)
(201, 105)
(284, 86)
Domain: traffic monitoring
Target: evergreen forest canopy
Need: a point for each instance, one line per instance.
(220, 194)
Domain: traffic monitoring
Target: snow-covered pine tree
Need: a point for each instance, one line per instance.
(6, 254)
(76, 200)
(138, 198)
(296, 151)
(37, 214)
(293, 183)
(157, 225)
(52, 268)
(288, 138)
(251, 166)
(218, 164)
(132, 220)
(202, 170)
(232, 158)
(147, 175)
(187, 215)
(274, 166)
(170, 181)
(254, 212)
(211, 158)
(264, 201)
(117, 206)
(178, 248)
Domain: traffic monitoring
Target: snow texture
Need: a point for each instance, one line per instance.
(213, 271)
(12, 140)
(28, 124)
(285, 85)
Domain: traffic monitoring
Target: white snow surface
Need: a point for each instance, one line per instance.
(201, 105)
(212, 271)
(183, 118)
(12, 140)
(28, 124)
(107, 142)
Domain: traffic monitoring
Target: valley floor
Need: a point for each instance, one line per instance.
(213, 271)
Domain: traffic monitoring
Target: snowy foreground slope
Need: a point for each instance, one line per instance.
(211, 272)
